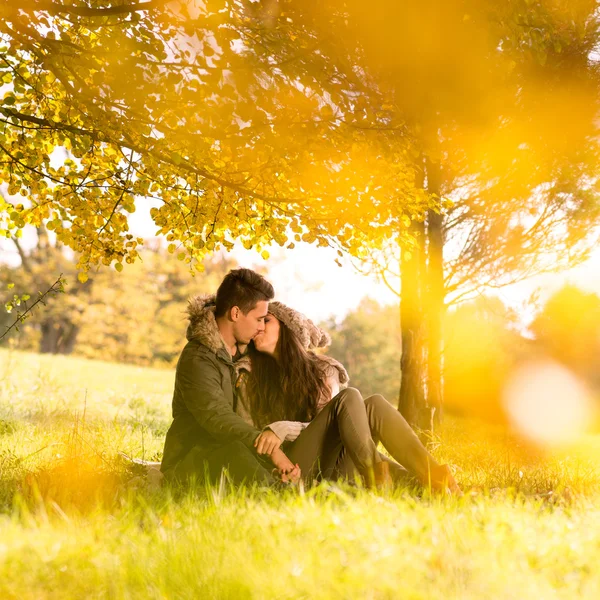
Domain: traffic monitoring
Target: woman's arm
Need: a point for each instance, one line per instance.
(286, 431)
(273, 435)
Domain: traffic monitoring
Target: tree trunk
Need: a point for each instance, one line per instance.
(49, 339)
(67, 338)
(412, 363)
(435, 298)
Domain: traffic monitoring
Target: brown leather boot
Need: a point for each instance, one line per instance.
(442, 480)
(381, 474)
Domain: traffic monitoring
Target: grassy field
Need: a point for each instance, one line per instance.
(72, 525)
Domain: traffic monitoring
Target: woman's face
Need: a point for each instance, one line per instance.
(266, 341)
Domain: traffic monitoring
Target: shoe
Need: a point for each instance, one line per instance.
(382, 477)
(442, 480)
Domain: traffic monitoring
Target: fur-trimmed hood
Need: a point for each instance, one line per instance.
(203, 325)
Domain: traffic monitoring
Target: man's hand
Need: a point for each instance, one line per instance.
(267, 442)
(288, 471)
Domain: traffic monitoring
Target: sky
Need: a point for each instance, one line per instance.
(308, 279)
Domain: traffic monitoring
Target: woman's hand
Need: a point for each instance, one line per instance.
(288, 471)
(267, 442)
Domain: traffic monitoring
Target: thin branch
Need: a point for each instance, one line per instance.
(390, 287)
(119, 200)
(55, 288)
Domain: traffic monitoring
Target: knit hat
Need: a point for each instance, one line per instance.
(310, 335)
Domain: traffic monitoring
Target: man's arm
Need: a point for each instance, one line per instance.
(199, 382)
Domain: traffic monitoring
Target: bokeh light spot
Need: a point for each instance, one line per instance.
(547, 403)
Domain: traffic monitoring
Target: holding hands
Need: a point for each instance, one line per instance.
(288, 471)
(268, 443)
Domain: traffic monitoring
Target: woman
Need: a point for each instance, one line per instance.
(300, 400)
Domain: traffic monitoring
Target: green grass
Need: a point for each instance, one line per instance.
(72, 525)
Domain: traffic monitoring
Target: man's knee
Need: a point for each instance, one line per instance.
(240, 461)
(236, 452)
(235, 447)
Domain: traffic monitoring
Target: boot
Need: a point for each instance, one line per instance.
(382, 477)
(441, 479)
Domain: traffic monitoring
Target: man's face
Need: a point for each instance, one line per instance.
(245, 327)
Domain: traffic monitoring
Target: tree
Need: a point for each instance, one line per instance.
(140, 318)
(492, 88)
(116, 101)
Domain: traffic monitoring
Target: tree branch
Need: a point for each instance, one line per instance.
(24, 259)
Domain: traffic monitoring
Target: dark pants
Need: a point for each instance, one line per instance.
(341, 441)
(242, 464)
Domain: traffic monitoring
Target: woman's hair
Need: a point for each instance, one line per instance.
(287, 389)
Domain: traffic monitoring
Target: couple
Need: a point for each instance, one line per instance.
(252, 397)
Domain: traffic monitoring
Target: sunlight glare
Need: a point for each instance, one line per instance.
(547, 403)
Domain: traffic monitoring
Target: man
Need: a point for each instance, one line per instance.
(207, 435)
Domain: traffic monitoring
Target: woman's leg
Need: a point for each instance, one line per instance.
(390, 428)
(343, 423)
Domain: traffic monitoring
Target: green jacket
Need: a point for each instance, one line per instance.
(204, 400)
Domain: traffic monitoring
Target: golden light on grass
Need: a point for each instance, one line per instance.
(548, 404)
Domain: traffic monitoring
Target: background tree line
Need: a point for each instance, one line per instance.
(140, 319)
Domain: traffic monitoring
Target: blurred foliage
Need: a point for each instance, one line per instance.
(137, 319)
(141, 318)
(482, 347)
(502, 106)
(568, 328)
(367, 343)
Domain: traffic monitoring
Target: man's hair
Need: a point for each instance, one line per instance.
(242, 288)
